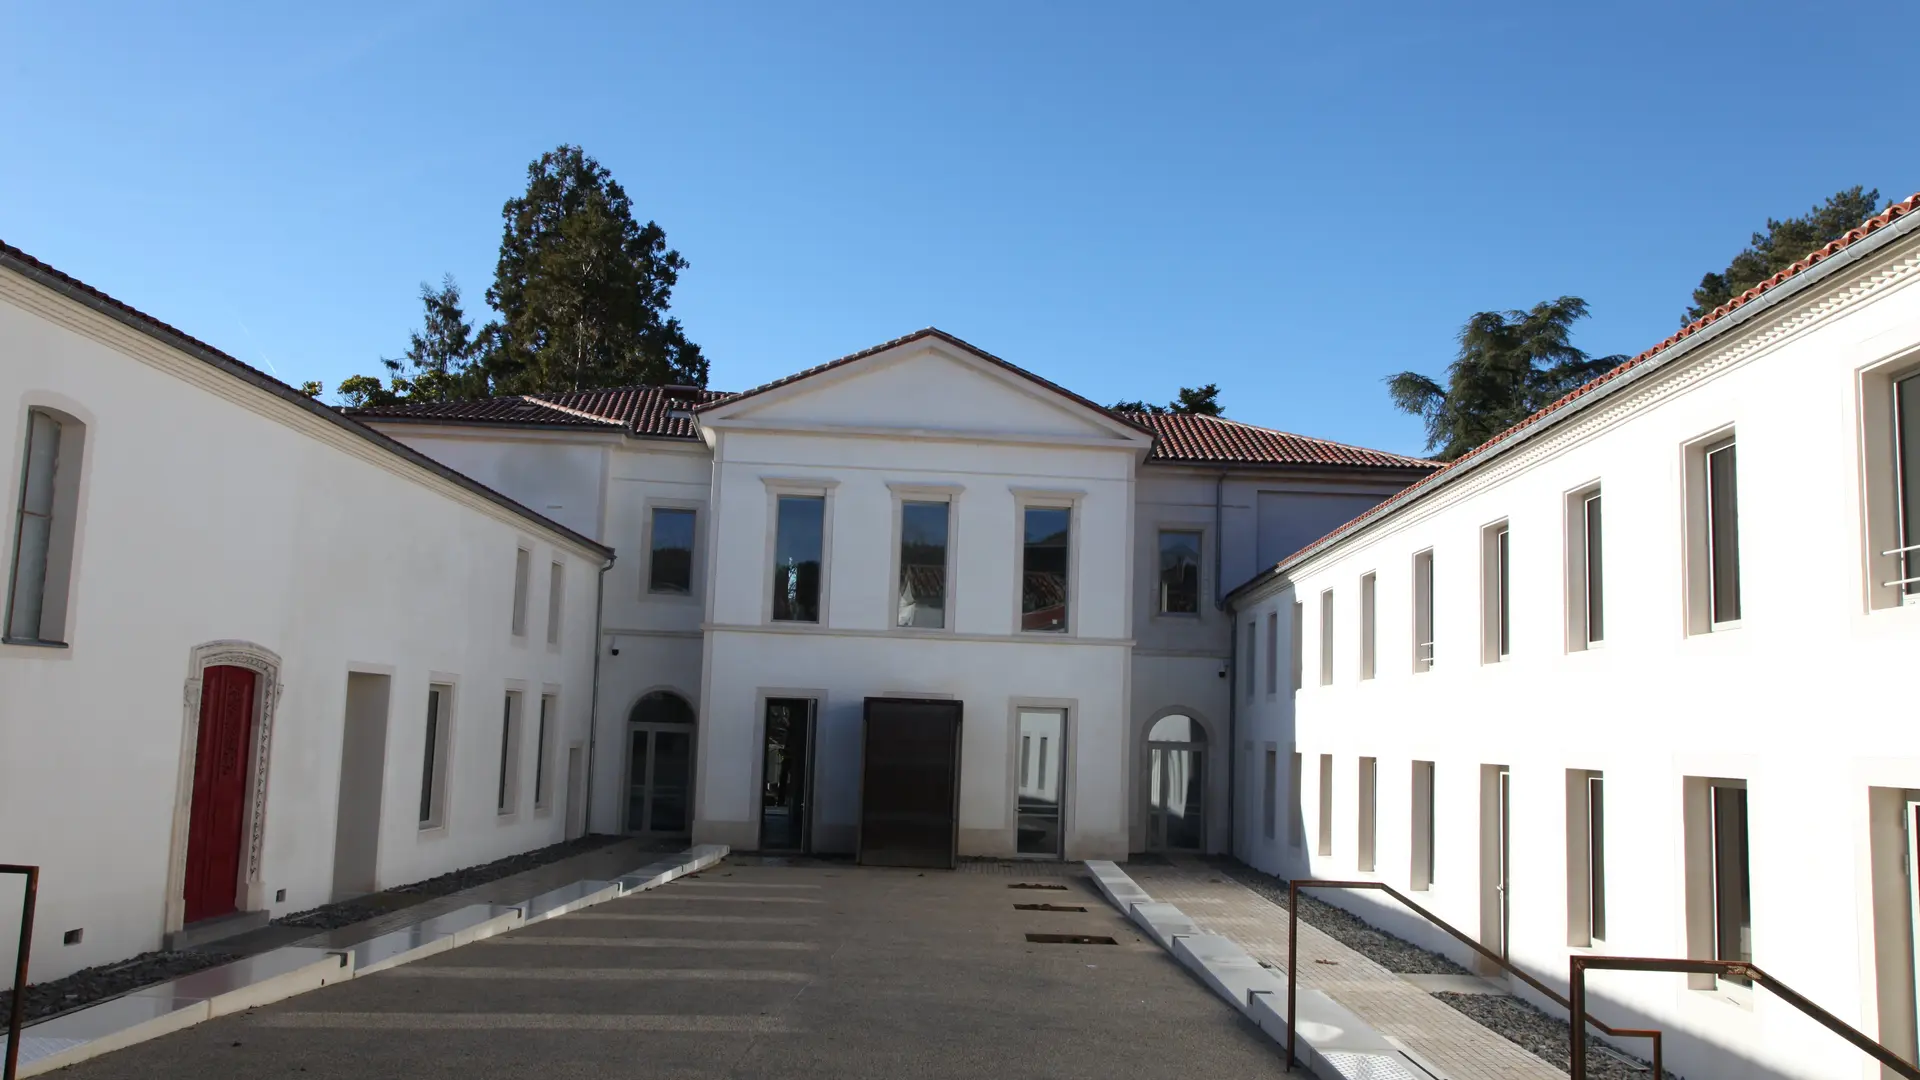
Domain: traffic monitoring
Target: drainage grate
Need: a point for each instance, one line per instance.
(1070, 939)
(1036, 885)
(1048, 907)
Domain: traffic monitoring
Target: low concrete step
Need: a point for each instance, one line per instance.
(207, 931)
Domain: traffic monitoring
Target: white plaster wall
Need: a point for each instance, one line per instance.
(561, 475)
(1807, 700)
(211, 511)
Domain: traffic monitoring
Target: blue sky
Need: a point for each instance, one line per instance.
(1292, 201)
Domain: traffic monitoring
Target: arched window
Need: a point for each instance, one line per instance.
(1177, 729)
(661, 707)
(43, 529)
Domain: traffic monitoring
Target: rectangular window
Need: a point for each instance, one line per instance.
(556, 591)
(1039, 807)
(1420, 874)
(1296, 825)
(1273, 652)
(923, 564)
(542, 750)
(1906, 425)
(670, 551)
(509, 793)
(1732, 895)
(522, 569)
(1269, 796)
(798, 547)
(1179, 573)
(1368, 804)
(1046, 548)
(1586, 600)
(1723, 532)
(1326, 638)
(1299, 633)
(1366, 626)
(1423, 611)
(1586, 858)
(1326, 804)
(433, 768)
(43, 529)
(1252, 650)
(1496, 605)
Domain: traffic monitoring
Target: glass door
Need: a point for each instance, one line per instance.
(1038, 812)
(1176, 785)
(659, 775)
(786, 776)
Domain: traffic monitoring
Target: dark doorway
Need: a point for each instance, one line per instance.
(660, 765)
(219, 804)
(786, 776)
(909, 794)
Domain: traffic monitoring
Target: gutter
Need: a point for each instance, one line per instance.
(1658, 363)
(1233, 673)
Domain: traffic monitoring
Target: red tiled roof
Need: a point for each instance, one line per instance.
(1216, 440)
(1533, 423)
(81, 292)
(648, 411)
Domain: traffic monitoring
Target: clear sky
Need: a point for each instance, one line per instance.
(1293, 201)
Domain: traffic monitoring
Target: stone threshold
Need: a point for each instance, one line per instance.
(160, 1009)
(1330, 1040)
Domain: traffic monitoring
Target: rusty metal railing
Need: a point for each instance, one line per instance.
(1579, 1039)
(1578, 966)
(19, 1009)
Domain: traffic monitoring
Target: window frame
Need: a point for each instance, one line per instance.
(1886, 566)
(545, 734)
(1272, 658)
(1585, 575)
(1367, 810)
(1586, 858)
(776, 488)
(71, 461)
(1423, 837)
(1025, 499)
(556, 602)
(1699, 532)
(1496, 592)
(522, 583)
(1297, 631)
(1270, 795)
(695, 559)
(436, 775)
(1424, 607)
(904, 493)
(1369, 625)
(1326, 637)
(1158, 607)
(513, 721)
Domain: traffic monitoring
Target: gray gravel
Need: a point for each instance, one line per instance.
(108, 980)
(1546, 1037)
(1344, 926)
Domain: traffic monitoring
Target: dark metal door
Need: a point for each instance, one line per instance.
(910, 783)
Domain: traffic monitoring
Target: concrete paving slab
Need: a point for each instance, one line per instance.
(1162, 922)
(1116, 886)
(1226, 967)
(261, 980)
(567, 898)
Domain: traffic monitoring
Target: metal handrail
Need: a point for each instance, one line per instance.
(1578, 965)
(1579, 1042)
(19, 1009)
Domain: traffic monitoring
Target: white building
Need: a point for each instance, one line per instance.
(256, 655)
(1681, 728)
(919, 519)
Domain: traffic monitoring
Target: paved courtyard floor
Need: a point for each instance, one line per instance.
(806, 970)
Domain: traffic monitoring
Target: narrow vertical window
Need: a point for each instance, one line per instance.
(1420, 874)
(923, 564)
(1368, 804)
(556, 591)
(1296, 812)
(1366, 626)
(1326, 638)
(1045, 558)
(798, 547)
(1496, 607)
(509, 742)
(1298, 635)
(1326, 804)
(1732, 895)
(1586, 858)
(1596, 856)
(1906, 426)
(541, 749)
(1723, 532)
(1595, 573)
(522, 569)
(1039, 808)
(1273, 652)
(1586, 598)
(433, 759)
(43, 530)
(1252, 650)
(670, 551)
(1423, 611)
(1179, 573)
(1269, 796)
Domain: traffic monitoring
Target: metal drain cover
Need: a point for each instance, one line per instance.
(1048, 907)
(1070, 939)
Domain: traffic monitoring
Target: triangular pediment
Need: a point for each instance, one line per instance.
(928, 383)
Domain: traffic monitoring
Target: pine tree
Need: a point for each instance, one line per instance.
(1783, 244)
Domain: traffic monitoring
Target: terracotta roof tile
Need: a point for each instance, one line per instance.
(646, 411)
(1427, 483)
(1216, 440)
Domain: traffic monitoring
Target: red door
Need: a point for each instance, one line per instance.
(219, 792)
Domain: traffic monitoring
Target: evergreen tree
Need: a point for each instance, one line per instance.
(1191, 401)
(439, 361)
(1783, 244)
(1511, 364)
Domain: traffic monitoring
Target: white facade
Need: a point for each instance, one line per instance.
(218, 521)
(1785, 729)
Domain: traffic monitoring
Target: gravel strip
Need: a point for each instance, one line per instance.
(360, 909)
(1344, 926)
(1546, 1038)
(108, 981)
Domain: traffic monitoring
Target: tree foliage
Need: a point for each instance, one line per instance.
(440, 363)
(1511, 364)
(582, 290)
(1783, 244)
(1191, 401)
